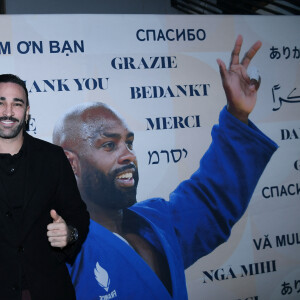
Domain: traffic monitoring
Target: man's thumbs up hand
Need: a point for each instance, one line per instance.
(57, 230)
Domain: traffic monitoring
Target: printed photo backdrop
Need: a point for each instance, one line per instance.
(158, 70)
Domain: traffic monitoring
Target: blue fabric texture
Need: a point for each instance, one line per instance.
(197, 218)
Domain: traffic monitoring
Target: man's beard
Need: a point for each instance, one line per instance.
(101, 189)
(15, 131)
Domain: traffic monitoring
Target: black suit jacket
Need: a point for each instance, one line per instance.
(49, 184)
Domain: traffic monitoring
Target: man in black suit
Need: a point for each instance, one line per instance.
(43, 220)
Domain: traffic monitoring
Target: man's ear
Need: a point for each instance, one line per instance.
(27, 114)
(74, 161)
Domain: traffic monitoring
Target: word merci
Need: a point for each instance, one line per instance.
(40, 47)
(66, 85)
(244, 271)
(174, 122)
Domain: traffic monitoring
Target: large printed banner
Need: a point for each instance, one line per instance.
(160, 74)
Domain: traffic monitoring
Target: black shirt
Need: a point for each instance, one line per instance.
(12, 177)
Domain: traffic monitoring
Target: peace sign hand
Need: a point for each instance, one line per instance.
(241, 92)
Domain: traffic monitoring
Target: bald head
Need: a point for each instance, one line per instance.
(99, 146)
(81, 124)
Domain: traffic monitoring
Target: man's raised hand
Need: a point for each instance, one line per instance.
(241, 92)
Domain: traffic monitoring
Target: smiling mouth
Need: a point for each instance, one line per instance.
(125, 176)
(125, 179)
(8, 122)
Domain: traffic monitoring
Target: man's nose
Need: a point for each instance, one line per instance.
(126, 156)
(8, 111)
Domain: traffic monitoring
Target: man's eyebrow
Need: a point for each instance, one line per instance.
(117, 135)
(19, 100)
(111, 135)
(14, 99)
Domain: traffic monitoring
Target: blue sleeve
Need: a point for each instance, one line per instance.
(205, 207)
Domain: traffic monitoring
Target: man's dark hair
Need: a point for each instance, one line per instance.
(15, 79)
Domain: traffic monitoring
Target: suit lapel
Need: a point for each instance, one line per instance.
(33, 170)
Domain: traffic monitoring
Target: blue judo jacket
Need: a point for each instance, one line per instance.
(197, 218)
